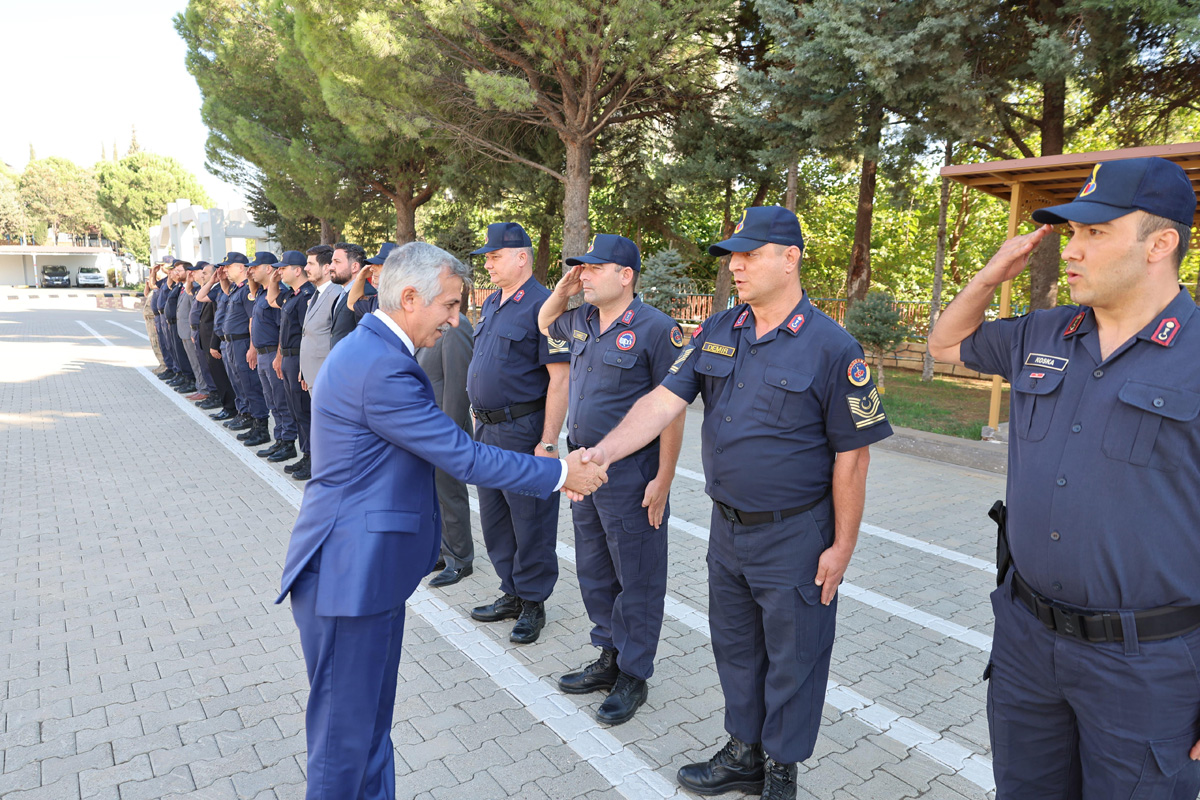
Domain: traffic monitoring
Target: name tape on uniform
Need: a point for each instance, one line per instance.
(580, 335)
(1056, 363)
(719, 349)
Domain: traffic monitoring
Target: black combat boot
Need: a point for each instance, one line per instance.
(259, 434)
(507, 607)
(530, 623)
(627, 695)
(600, 674)
(737, 765)
(780, 781)
(285, 451)
(240, 423)
(303, 470)
(269, 451)
(223, 415)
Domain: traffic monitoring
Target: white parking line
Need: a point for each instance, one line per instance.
(131, 330)
(629, 775)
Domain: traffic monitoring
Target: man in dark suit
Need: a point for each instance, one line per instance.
(368, 528)
(347, 264)
(445, 364)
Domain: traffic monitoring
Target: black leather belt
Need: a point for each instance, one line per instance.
(1153, 624)
(290, 351)
(498, 415)
(235, 337)
(760, 517)
(572, 447)
(266, 351)
(195, 327)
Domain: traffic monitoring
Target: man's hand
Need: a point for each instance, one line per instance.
(215, 353)
(304, 384)
(252, 357)
(593, 455)
(656, 499)
(1012, 257)
(830, 569)
(278, 364)
(273, 278)
(569, 284)
(583, 479)
(541, 451)
(1195, 752)
(358, 285)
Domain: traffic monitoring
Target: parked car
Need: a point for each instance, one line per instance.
(56, 277)
(90, 276)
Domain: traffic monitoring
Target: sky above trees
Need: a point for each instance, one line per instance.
(102, 69)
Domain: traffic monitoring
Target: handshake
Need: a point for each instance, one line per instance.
(586, 472)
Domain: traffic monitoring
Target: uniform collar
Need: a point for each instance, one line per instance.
(1170, 320)
(793, 323)
(627, 315)
(518, 295)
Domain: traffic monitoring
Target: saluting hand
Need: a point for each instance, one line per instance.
(1012, 257)
(569, 284)
(656, 499)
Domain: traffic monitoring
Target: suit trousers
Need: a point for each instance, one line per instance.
(1071, 719)
(458, 548)
(204, 378)
(621, 560)
(246, 382)
(220, 380)
(353, 665)
(187, 350)
(520, 531)
(772, 638)
(276, 397)
(298, 400)
(241, 402)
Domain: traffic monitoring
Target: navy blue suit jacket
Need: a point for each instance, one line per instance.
(377, 435)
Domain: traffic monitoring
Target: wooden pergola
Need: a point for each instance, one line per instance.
(1028, 184)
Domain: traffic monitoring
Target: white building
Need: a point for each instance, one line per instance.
(196, 234)
(22, 265)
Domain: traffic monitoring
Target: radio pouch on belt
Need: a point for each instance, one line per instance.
(999, 515)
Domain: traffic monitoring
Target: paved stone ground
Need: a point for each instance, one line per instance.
(141, 655)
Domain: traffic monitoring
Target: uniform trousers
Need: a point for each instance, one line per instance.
(621, 560)
(204, 378)
(177, 351)
(298, 400)
(164, 343)
(353, 665)
(1071, 719)
(520, 531)
(772, 638)
(240, 401)
(220, 379)
(246, 382)
(276, 396)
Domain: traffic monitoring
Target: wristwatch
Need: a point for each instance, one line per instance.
(549, 448)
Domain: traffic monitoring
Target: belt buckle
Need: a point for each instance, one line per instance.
(1067, 623)
(730, 514)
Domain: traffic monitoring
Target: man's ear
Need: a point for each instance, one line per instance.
(1162, 245)
(409, 298)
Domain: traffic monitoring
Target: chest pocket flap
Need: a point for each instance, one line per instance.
(513, 333)
(713, 366)
(620, 359)
(787, 379)
(1176, 404)
(1025, 382)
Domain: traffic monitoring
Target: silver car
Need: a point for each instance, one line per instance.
(90, 276)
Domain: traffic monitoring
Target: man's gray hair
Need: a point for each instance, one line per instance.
(419, 265)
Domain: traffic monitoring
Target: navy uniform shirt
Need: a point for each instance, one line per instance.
(221, 301)
(610, 370)
(1104, 455)
(238, 309)
(160, 297)
(510, 357)
(197, 307)
(291, 317)
(777, 409)
(265, 331)
(171, 306)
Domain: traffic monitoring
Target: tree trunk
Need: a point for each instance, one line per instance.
(541, 260)
(1044, 261)
(576, 228)
(939, 264)
(406, 215)
(858, 277)
(721, 286)
(330, 232)
(793, 180)
(879, 371)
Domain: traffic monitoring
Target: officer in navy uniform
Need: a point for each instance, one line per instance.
(789, 415)
(204, 381)
(264, 336)
(517, 382)
(218, 295)
(176, 277)
(237, 337)
(159, 297)
(1094, 690)
(621, 349)
(207, 299)
(289, 290)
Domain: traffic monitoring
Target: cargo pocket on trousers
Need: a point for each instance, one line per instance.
(814, 622)
(1165, 759)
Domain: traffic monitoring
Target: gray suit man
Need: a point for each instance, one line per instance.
(315, 342)
(446, 365)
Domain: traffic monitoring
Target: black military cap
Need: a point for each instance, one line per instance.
(608, 248)
(234, 258)
(761, 225)
(263, 257)
(501, 235)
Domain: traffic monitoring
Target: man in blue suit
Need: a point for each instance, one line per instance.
(369, 528)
